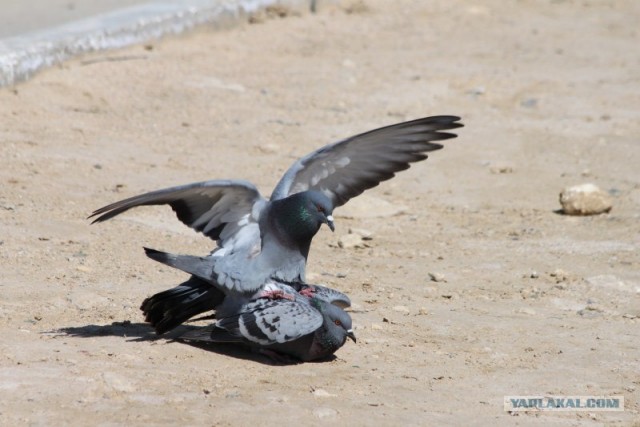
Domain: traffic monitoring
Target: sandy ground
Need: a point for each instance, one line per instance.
(527, 301)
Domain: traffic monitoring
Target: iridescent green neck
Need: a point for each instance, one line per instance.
(293, 221)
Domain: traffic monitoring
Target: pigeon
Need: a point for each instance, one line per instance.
(260, 240)
(171, 308)
(303, 328)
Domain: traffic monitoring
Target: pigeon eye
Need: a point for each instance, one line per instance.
(320, 208)
(338, 322)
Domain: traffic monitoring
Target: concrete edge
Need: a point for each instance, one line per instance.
(21, 57)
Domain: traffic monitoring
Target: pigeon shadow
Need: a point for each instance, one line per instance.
(243, 352)
(138, 332)
(126, 329)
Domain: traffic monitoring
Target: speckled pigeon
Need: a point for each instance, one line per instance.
(168, 309)
(302, 328)
(259, 240)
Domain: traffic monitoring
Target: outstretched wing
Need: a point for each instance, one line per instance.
(345, 169)
(268, 322)
(208, 207)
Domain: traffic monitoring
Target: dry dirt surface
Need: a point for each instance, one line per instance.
(472, 287)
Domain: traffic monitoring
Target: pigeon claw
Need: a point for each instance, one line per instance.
(308, 292)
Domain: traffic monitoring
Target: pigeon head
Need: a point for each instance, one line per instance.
(319, 206)
(337, 324)
(299, 216)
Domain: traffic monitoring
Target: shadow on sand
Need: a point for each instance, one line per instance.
(137, 332)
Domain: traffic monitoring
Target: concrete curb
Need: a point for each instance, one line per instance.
(23, 56)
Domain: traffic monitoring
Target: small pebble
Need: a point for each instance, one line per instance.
(560, 275)
(477, 91)
(591, 311)
(365, 234)
(351, 241)
(269, 148)
(500, 169)
(401, 309)
(437, 277)
(321, 393)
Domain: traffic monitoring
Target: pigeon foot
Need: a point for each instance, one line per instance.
(308, 292)
(277, 294)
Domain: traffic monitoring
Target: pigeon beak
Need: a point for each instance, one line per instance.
(330, 222)
(351, 335)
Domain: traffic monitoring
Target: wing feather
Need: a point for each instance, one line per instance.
(208, 207)
(268, 322)
(347, 168)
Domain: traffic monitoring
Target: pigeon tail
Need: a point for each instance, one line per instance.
(169, 309)
(201, 267)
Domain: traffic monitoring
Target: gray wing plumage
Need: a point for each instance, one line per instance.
(266, 322)
(347, 168)
(207, 207)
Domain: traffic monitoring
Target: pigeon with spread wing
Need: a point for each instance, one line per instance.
(261, 240)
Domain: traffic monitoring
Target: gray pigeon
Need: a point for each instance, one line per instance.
(302, 328)
(260, 240)
(168, 309)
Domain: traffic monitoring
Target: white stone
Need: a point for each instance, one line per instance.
(585, 199)
(437, 277)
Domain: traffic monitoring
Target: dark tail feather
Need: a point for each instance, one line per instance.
(210, 334)
(168, 309)
(201, 267)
